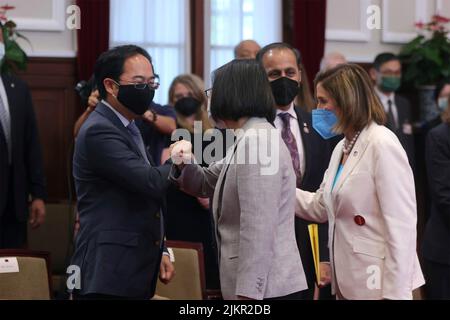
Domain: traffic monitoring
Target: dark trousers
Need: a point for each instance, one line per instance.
(294, 296)
(95, 296)
(437, 278)
(13, 233)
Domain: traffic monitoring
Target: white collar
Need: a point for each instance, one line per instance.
(384, 98)
(124, 120)
(291, 111)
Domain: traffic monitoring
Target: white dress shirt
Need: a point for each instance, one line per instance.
(124, 120)
(384, 100)
(295, 129)
(7, 115)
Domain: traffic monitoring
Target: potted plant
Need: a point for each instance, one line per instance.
(427, 61)
(15, 58)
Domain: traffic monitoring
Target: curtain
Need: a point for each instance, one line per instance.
(93, 37)
(309, 24)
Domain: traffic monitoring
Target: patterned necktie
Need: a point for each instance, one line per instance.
(291, 143)
(391, 123)
(136, 135)
(5, 122)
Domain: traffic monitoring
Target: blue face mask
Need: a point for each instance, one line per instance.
(324, 122)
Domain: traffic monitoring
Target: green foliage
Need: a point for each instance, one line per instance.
(427, 59)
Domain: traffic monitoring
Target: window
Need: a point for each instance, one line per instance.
(232, 21)
(160, 27)
(163, 28)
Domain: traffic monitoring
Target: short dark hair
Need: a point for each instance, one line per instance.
(110, 64)
(241, 89)
(383, 58)
(279, 46)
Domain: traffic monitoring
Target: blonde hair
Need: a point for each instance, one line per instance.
(196, 86)
(351, 88)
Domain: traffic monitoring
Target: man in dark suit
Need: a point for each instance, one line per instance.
(310, 153)
(387, 74)
(119, 248)
(436, 240)
(21, 170)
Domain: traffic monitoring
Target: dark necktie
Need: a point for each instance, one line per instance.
(291, 143)
(136, 135)
(391, 123)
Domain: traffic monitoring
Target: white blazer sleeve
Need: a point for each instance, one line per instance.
(310, 205)
(396, 194)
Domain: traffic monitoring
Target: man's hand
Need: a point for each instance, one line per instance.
(325, 274)
(93, 100)
(166, 270)
(37, 214)
(181, 153)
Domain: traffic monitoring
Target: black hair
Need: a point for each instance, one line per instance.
(383, 58)
(241, 89)
(110, 64)
(279, 46)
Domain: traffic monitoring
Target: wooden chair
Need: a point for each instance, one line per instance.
(32, 282)
(189, 281)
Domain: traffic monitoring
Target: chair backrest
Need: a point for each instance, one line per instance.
(32, 282)
(189, 281)
(55, 235)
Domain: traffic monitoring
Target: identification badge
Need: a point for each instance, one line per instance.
(407, 128)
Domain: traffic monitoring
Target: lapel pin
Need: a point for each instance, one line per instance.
(360, 221)
(355, 154)
(13, 85)
(305, 128)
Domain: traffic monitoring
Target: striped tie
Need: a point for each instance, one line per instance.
(5, 122)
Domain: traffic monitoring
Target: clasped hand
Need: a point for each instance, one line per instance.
(181, 153)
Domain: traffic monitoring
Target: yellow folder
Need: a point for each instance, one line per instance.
(314, 237)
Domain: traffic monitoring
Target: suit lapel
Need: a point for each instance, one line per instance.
(109, 114)
(13, 112)
(304, 126)
(353, 159)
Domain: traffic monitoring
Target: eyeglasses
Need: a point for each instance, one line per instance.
(152, 84)
(208, 93)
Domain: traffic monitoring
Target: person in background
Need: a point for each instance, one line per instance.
(367, 194)
(22, 177)
(305, 98)
(188, 217)
(331, 60)
(436, 241)
(247, 49)
(387, 75)
(310, 153)
(253, 209)
(121, 194)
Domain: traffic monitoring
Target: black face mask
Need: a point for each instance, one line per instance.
(187, 106)
(136, 100)
(284, 91)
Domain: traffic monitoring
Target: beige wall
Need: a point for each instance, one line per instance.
(43, 22)
(347, 30)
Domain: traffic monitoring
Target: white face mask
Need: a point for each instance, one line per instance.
(443, 104)
(2, 50)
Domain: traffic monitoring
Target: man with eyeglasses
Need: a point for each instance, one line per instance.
(156, 124)
(387, 76)
(121, 193)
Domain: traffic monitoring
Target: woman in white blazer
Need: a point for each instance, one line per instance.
(367, 194)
